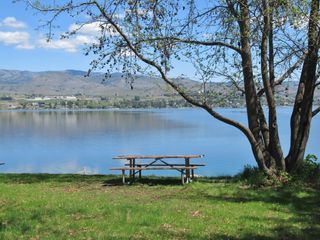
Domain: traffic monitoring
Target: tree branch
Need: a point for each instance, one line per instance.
(285, 75)
(233, 81)
(316, 111)
(206, 107)
(198, 16)
(56, 10)
(63, 8)
(196, 42)
(232, 9)
(237, 86)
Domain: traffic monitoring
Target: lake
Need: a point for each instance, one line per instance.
(85, 141)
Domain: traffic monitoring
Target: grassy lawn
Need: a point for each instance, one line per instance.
(44, 206)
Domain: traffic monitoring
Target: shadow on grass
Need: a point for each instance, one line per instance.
(302, 203)
(150, 181)
(281, 233)
(106, 180)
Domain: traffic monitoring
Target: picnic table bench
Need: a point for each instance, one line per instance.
(158, 162)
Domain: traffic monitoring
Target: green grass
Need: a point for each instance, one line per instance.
(42, 206)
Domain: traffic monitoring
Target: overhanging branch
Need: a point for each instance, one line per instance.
(66, 7)
(233, 81)
(195, 42)
(199, 16)
(285, 75)
(316, 111)
(206, 107)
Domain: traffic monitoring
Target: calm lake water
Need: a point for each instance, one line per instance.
(86, 141)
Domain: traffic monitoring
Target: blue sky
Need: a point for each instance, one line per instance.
(24, 47)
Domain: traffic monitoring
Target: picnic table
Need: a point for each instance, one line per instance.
(138, 163)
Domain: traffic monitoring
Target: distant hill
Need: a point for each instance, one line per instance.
(71, 82)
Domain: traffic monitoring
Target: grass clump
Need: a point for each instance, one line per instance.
(307, 174)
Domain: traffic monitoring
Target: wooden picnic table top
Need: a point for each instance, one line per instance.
(167, 164)
(157, 156)
(153, 168)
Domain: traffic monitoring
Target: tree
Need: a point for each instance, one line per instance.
(255, 45)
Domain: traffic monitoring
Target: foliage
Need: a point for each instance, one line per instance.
(253, 176)
(44, 206)
(307, 174)
(283, 178)
(6, 98)
(125, 102)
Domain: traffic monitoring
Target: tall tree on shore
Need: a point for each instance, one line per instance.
(255, 45)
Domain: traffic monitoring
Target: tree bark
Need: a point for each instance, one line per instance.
(274, 147)
(302, 110)
(249, 85)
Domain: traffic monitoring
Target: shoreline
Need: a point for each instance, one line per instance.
(118, 109)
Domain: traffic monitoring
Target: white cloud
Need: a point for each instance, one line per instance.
(20, 39)
(27, 46)
(68, 45)
(13, 23)
(90, 28)
(14, 37)
(86, 35)
(93, 28)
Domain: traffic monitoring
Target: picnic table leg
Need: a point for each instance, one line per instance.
(139, 166)
(182, 177)
(192, 173)
(133, 172)
(130, 165)
(187, 164)
(123, 176)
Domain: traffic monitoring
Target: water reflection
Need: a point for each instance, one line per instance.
(74, 123)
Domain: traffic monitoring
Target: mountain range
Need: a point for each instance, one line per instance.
(74, 82)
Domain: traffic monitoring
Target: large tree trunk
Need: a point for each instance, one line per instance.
(302, 110)
(274, 149)
(252, 103)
